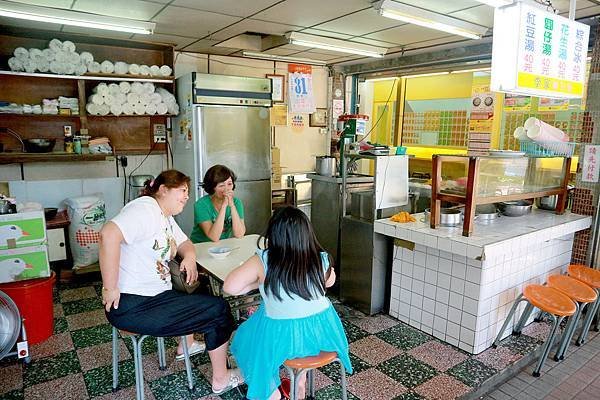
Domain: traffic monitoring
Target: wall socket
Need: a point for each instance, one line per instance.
(160, 133)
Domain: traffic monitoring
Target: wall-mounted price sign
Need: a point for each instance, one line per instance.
(300, 94)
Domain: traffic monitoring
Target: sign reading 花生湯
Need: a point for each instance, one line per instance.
(538, 53)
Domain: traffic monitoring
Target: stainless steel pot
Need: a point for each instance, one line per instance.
(448, 217)
(486, 213)
(547, 202)
(326, 165)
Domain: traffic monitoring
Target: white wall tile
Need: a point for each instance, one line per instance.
(459, 248)
(459, 270)
(439, 324)
(456, 300)
(467, 336)
(418, 287)
(442, 295)
(395, 292)
(429, 305)
(457, 285)
(415, 314)
(432, 261)
(446, 254)
(473, 274)
(468, 321)
(472, 290)
(441, 310)
(419, 273)
(443, 281)
(454, 315)
(439, 335)
(470, 305)
(445, 266)
(427, 319)
(445, 245)
(452, 341)
(405, 295)
(431, 276)
(429, 290)
(394, 308)
(420, 258)
(416, 300)
(453, 330)
(406, 282)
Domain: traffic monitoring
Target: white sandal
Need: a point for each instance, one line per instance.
(195, 348)
(235, 380)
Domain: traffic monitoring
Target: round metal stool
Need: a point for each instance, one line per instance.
(590, 277)
(297, 366)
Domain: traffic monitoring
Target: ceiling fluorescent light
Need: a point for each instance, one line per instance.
(428, 74)
(274, 57)
(496, 3)
(74, 18)
(343, 46)
(389, 78)
(460, 71)
(429, 19)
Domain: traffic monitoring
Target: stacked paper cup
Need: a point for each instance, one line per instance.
(544, 135)
(133, 98)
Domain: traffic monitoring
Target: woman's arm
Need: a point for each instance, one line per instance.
(237, 223)
(214, 230)
(244, 278)
(329, 277)
(110, 254)
(187, 252)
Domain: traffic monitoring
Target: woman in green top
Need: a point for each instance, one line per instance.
(218, 215)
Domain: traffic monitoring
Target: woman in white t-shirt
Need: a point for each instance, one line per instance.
(135, 247)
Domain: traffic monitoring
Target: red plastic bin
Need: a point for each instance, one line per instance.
(34, 300)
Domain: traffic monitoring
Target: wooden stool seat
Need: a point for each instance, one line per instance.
(575, 289)
(587, 275)
(311, 362)
(549, 300)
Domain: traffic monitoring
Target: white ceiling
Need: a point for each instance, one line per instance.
(201, 25)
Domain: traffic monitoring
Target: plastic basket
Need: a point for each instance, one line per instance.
(548, 149)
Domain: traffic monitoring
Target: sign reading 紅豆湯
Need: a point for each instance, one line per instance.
(538, 53)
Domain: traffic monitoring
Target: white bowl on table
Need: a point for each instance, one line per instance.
(219, 252)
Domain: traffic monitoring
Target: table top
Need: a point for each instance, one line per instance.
(244, 248)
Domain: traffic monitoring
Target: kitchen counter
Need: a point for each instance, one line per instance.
(353, 178)
(460, 289)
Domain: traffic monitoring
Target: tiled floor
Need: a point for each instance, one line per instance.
(576, 377)
(391, 360)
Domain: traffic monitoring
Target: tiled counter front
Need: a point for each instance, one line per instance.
(460, 289)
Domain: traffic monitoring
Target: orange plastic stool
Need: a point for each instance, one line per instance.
(582, 295)
(297, 366)
(590, 277)
(547, 299)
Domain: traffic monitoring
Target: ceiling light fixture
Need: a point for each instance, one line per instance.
(496, 3)
(343, 46)
(74, 18)
(389, 78)
(429, 19)
(275, 57)
(427, 74)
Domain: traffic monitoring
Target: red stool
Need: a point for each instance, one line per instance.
(590, 277)
(297, 366)
(547, 299)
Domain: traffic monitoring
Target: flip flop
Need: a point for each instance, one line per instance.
(235, 380)
(195, 348)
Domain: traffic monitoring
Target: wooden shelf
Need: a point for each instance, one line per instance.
(92, 77)
(130, 116)
(13, 158)
(39, 116)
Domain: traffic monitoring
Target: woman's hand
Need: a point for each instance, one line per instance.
(229, 198)
(188, 264)
(110, 298)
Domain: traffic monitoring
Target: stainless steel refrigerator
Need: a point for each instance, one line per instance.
(225, 120)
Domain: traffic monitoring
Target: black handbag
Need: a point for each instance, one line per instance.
(178, 279)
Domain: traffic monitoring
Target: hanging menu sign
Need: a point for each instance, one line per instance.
(538, 53)
(300, 94)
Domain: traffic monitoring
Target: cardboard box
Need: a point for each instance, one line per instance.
(22, 230)
(276, 175)
(275, 157)
(24, 263)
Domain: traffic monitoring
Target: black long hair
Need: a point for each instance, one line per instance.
(294, 261)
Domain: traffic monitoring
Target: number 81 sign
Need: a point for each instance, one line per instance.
(301, 92)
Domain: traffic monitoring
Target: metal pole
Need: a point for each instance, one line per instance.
(572, 8)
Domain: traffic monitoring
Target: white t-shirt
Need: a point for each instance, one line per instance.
(151, 240)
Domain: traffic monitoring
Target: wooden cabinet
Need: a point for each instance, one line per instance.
(132, 134)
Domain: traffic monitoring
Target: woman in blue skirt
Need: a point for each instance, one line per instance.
(296, 319)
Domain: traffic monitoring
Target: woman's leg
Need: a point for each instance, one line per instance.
(190, 341)
(218, 361)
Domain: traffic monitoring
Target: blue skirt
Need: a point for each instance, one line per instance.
(262, 344)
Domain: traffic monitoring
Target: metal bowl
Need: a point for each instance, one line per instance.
(39, 145)
(514, 208)
(486, 213)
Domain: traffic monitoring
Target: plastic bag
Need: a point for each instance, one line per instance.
(87, 215)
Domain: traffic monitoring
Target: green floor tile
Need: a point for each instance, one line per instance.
(14, 395)
(60, 325)
(83, 305)
(403, 337)
(333, 392)
(174, 387)
(409, 396)
(472, 372)
(353, 332)
(407, 370)
(99, 380)
(51, 368)
(521, 344)
(92, 336)
(333, 370)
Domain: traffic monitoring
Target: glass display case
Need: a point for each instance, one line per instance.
(476, 180)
